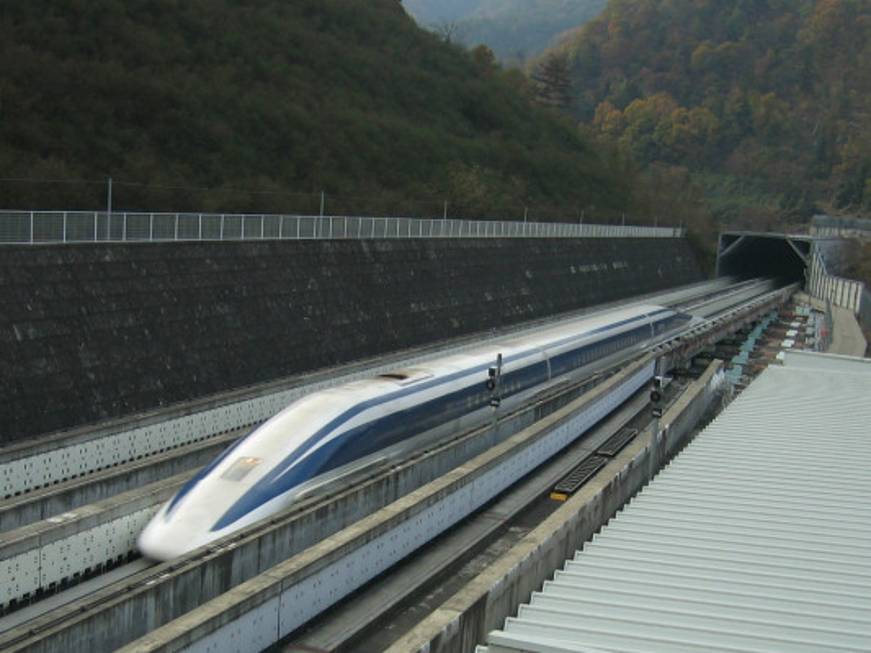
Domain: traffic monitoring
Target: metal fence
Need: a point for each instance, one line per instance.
(846, 293)
(91, 226)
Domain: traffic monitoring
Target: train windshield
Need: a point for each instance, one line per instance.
(240, 469)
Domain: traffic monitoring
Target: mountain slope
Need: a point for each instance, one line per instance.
(770, 96)
(274, 96)
(514, 29)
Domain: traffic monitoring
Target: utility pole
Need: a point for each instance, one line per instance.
(494, 382)
(109, 210)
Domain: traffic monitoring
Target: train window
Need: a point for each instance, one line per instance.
(396, 376)
(239, 469)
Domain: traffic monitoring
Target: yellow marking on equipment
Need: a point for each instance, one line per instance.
(558, 496)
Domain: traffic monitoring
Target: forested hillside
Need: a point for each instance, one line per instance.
(767, 103)
(263, 105)
(515, 30)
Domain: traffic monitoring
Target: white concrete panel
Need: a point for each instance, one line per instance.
(253, 631)
(64, 558)
(19, 575)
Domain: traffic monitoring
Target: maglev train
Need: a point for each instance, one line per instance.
(332, 432)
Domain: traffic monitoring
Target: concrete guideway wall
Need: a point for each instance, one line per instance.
(40, 556)
(91, 332)
(55, 499)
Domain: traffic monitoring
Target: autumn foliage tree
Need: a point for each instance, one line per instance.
(769, 96)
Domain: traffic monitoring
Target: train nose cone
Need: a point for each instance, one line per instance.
(160, 543)
(166, 539)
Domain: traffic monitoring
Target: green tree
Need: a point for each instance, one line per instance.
(553, 82)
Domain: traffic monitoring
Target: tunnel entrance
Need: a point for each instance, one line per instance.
(747, 255)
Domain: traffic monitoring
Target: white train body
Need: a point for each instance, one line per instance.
(332, 432)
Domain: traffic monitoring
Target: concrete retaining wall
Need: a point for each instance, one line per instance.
(466, 618)
(95, 331)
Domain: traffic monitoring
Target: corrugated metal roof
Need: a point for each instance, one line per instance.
(757, 537)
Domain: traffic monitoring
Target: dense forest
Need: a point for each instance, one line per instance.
(516, 30)
(240, 106)
(763, 104)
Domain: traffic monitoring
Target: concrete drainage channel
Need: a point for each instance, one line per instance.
(115, 615)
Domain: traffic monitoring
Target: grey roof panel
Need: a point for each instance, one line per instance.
(757, 537)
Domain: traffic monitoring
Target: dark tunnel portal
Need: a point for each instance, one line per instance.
(748, 256)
